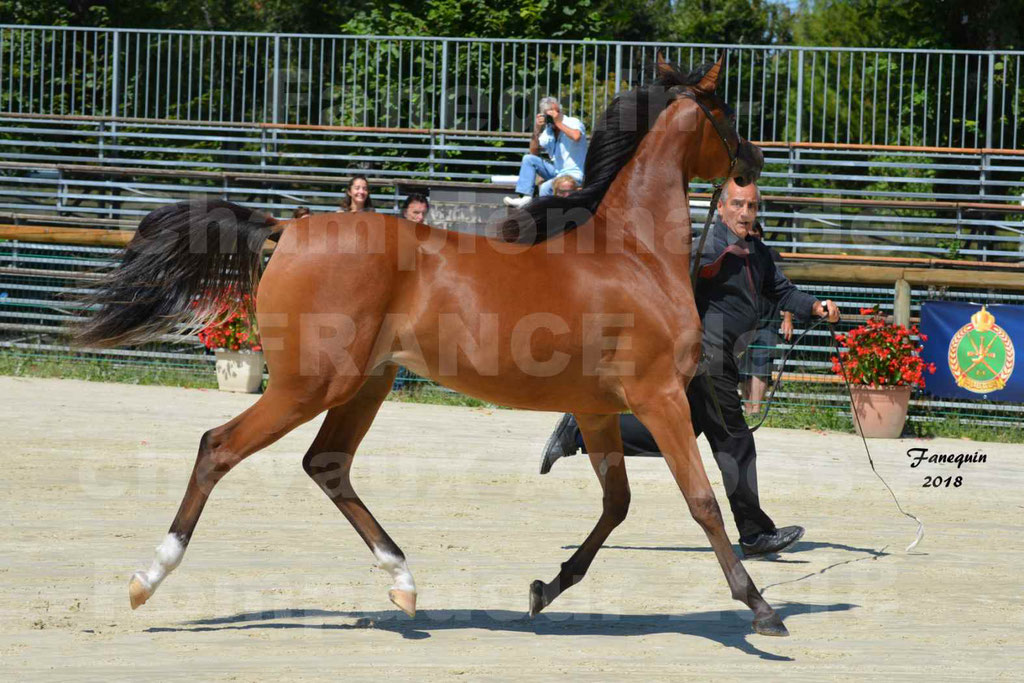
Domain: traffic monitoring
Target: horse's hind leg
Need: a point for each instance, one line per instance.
(275, 414)
(329, 462)
(604, 443)
(668, 419)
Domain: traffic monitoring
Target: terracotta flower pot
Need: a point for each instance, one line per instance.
(882, 410)
(240, 371)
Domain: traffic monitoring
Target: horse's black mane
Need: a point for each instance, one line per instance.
(613, 142)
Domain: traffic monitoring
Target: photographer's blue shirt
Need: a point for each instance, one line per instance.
(567, 156)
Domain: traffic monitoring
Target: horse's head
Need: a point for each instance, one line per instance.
(721, 152)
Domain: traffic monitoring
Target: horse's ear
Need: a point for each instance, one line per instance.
(709, 82)
(663, 67)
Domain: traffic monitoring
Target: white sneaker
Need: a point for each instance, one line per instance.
(517, 202)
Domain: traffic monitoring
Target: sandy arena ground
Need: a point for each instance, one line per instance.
(277, 586)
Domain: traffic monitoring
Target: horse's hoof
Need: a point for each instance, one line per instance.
(404, 600)
(771, 626)
(138, 590)
(536, 598)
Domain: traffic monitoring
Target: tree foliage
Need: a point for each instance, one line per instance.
(958, 24)
(748, 22)
(950, 24)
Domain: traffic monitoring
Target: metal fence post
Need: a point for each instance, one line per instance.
(431, 158)
(797, 137)
(983, 176)
(618, 67)
(794, 152)
(277, 79)
(115, 82)
(115, 96)
(442, 122)
(991, 93)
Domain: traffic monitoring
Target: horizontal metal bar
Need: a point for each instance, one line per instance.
(129, 353)
(518, 41)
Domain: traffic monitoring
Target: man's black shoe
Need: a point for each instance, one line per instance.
(561, 443)
(772, 541)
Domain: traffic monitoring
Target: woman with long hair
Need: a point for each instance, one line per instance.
(357, 195)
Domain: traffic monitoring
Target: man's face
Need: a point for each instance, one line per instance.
(739, 209)
(416, 212)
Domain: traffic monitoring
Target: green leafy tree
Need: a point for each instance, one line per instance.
(595, 19)
(298, 16)
(952, 24)
(748, 22)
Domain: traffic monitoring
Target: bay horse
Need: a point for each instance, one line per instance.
(577, 304)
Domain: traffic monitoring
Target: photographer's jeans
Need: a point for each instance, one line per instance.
(532, 167)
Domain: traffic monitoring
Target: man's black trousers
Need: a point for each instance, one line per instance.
(734, 453)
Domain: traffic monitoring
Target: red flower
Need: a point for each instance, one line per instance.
(232, 327)
(879, 353)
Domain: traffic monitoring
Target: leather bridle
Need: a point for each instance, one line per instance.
(722, 132)
(733, 157)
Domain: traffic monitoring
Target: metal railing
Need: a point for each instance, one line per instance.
(937, 98)
(39, 282)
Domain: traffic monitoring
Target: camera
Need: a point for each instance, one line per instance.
(549, 120)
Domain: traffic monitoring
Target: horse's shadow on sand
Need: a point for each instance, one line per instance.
(730, 628)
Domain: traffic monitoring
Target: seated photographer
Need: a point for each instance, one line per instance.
(564, 140)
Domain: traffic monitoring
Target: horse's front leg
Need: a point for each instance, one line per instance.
(667, 416)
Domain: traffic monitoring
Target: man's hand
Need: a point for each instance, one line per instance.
(826, 309)
(787, 326)
(557, 118)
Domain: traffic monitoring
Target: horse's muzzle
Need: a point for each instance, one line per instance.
(749, 162)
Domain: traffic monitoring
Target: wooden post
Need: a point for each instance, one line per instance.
(901, 303)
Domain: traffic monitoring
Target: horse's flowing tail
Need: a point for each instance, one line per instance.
(183, 260)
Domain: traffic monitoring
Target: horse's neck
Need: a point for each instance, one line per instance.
(646, 209)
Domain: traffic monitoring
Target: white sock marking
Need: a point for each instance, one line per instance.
(398, 569)
(168, 556)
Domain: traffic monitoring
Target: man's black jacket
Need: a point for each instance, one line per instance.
(735, 274)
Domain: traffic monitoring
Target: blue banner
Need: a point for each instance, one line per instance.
(972, 347)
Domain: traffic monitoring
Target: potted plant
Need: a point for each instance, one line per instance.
(234, 339)
(882, 365)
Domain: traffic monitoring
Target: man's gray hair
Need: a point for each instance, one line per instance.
(725, 191)
(548, 103)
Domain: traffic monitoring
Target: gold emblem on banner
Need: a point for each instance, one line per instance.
(981, 354)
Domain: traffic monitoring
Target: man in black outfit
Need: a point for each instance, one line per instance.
(736, 271)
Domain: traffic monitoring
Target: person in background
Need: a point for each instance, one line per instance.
(565, 185)
(300, 212)
(357, 195)
(756, 365)
(564, 139)
(415, 208)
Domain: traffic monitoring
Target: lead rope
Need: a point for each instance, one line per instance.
(695, 268)
(920, 524)
(846, 381)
